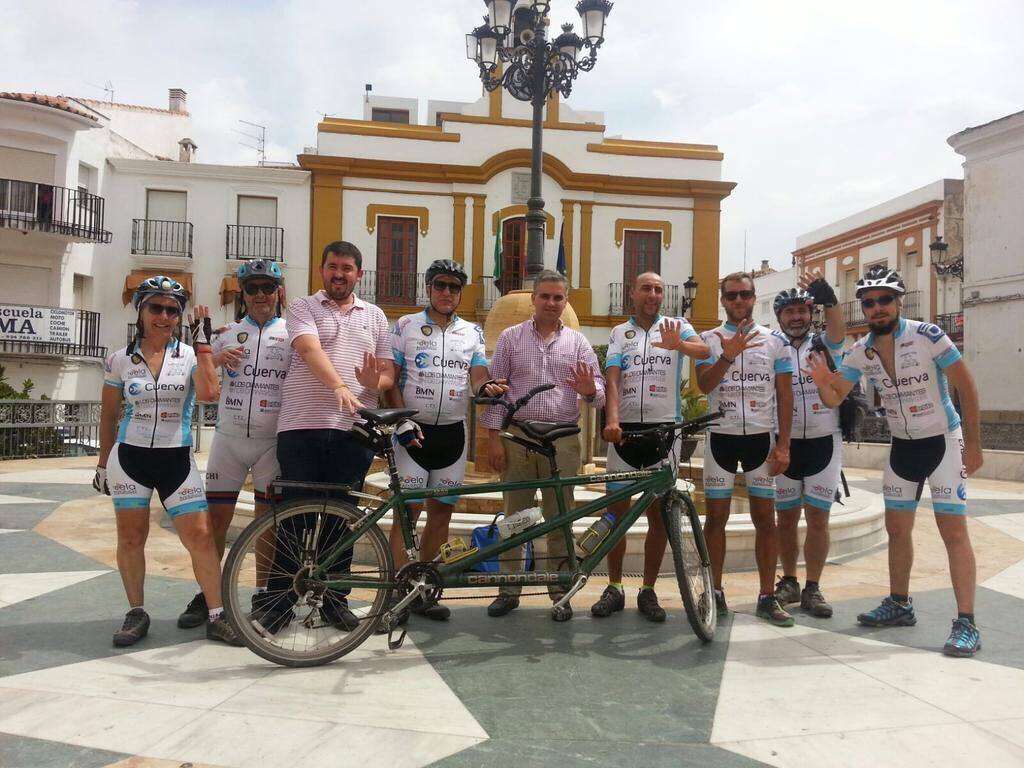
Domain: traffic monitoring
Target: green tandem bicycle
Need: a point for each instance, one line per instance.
(291, 573)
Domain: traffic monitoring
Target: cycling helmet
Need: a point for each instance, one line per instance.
(159, 285)
(260, 268)
(445, 267)
(880, 276)
(792, 296)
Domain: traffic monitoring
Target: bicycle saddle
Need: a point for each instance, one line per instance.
(547, 431)
(386, 416)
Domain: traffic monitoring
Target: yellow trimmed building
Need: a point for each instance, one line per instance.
(455, 185)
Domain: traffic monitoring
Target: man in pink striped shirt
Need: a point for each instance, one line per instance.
(539, 351)
(340, 361)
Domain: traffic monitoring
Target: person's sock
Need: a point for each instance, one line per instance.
(647, 586)
(616, 585)
(901, 599)
(968, 616)
(215, 613)
(136, 608)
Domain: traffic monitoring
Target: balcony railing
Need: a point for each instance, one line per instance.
(394, 288)
(854, 315)
(50, 331)
(620, 302)
(952, 324)
(153, 237)
(186, 334)
(252, 242)
(28, 205)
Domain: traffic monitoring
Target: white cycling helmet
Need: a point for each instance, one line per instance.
(880, 276)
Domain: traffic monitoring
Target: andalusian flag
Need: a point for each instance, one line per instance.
(560, 264)
(497, 254)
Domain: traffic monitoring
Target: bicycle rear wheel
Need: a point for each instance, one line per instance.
(692, 564)
(298, 621)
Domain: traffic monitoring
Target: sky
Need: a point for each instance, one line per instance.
(821, 108)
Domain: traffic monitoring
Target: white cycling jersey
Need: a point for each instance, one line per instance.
(434, 365)
(747, 391)
(250, 395)
(811, 417)
(650, 377)
(916, 398)
(157, 410)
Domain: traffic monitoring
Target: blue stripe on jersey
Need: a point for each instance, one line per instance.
(709, 360)
(850, 373)
(478, 359)
(689, 333)
(901, 504)
(613, 361)
(132, 503)
(946, 508)
(122, 432)
(784, 366)
(947, 358)
(952, 417)
(118, 384)
(399, 356)
(679, 386)
(186, 413)
(187, 507)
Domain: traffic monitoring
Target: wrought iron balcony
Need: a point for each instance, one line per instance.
(393, 288)
(620, 302)
(953, 325)
(854, 315)
(31, 206)
(153, 237)
(252, 242)
(488, 295)
(49, 332)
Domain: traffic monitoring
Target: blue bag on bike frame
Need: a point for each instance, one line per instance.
(486, 536)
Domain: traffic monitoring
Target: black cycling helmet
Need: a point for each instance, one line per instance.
(880, 276)
(792, 296)
(445, 267)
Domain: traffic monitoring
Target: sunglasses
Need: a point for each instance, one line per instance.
(882, 301)
(265, 288)
(733, 295)
(441, 286)
(164, 309)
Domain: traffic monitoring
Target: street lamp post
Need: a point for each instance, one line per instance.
(689, 295)
(535, 68)
(940, 260)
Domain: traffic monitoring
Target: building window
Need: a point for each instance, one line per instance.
(257, 211)
(513, 254)
(869, 267)
(86, 179)
(397, 243)
(163, 205)
(379, 115)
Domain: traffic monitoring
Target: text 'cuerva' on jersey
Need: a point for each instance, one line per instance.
(746, 394)
(916, 398)
(157, 409)
(811, 417)
(250, 393)
(650, 377)
(434, 365)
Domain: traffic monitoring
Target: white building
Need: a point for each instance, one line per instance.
(896, 233)
(94, 197)
(408, 193)
(994, 272)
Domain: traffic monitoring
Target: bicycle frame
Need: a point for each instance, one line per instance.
(650, 483)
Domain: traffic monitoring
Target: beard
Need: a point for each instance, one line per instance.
(795, 331)
(338, 292)
(884, 328)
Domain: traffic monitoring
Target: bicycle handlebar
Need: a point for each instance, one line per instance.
(512, 407)
(687, 427)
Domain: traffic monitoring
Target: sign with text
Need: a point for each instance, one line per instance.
(47, 324)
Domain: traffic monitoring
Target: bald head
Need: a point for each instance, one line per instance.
(647, 293)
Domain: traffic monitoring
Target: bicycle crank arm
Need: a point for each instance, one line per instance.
(581, 582)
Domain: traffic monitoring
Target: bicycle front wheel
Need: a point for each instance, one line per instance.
(277, 583)
(692, 564)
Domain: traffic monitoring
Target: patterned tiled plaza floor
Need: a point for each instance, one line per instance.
(517, 691)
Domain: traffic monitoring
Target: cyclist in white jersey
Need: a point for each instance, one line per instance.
(815, 451)
(643, 375)
(253, 356)
(157, 379)
(748, 376)
(911, 364)
(439, 364)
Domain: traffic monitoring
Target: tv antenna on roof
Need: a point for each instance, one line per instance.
(107, 88)
(261, 139)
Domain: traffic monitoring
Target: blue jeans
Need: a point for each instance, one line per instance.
(325, 456)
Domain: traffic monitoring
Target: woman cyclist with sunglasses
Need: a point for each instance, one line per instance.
(157, 379)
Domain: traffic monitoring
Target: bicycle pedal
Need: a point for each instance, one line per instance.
(393, 644)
